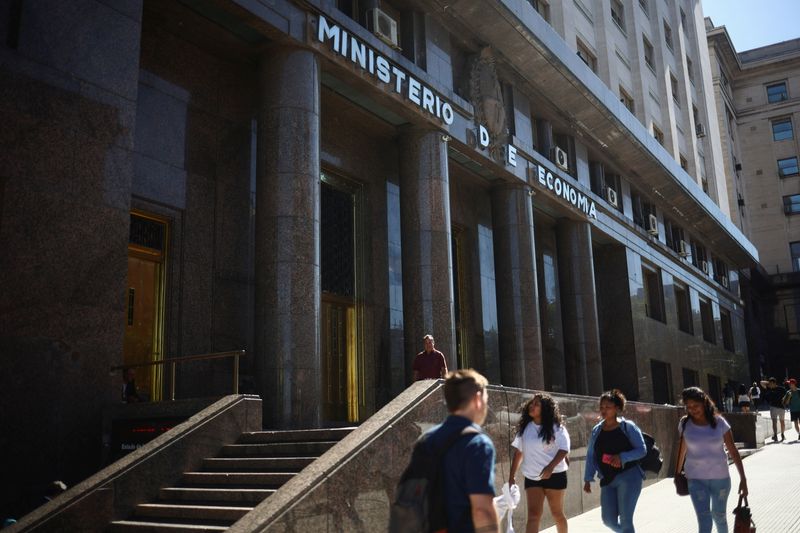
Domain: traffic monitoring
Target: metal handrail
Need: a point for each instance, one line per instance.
(173, 361)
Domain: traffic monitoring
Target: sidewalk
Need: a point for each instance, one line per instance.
(773, 479)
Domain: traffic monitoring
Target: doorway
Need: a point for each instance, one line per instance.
(341, 338)
(144, 326)
(662, 382)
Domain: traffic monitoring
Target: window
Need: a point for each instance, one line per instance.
(684, 163)
(618, 13)
(794, 249)
(626, 99)
(673, 82)
(684, 305)
(648, 53)
(727, 328)
(541, 7)
(788, 167)
(642, 209)
(587, 56)
(683, 19)
(777, 92)
(674, 235)
(508, 102)
(782, 129)
(662, 381)
(720, 271)
(653, 292)
(690, 69)
(707, 318)
(668, 35)
(643, 5)
(791, 204)
(659, 135)
(699, 257)
(691, 378)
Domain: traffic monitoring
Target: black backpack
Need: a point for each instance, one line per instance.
(652, 460)
(419, 498)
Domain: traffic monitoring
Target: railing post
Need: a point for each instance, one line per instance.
(172, 383)
(236, 373)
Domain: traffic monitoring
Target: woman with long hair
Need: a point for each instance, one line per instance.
(701, 452)
(613, 453)
(541, 446)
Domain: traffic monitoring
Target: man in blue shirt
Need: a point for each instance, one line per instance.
(468, 469)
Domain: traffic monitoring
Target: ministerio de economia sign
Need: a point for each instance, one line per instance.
(401, 82)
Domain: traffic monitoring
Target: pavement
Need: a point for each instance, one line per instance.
(773, 480)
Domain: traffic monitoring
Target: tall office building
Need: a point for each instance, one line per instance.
(541, 186)
(758, 101)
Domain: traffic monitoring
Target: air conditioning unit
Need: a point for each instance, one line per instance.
(704, 266)
(738, 167)
(700, 130)
(384, 26)
(611, 196)
(561, 158)
(683, 248)
(724, 281)
(652, 225)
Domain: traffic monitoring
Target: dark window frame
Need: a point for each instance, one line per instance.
(791, 204)
(683, 305)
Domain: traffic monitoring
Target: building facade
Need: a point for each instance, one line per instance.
(323, 183)
(759, 108)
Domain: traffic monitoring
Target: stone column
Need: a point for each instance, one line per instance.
(579, 308)
(426, 242)
(287, 247)
(517, 291)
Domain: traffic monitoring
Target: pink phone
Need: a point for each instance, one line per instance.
(607, 458)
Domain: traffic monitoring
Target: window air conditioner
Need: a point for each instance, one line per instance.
(704, 266)
(384, 26)
(724, 281)
(611, 196)
(684, 248)
(652, 224)
(700, 130)
(561, 158)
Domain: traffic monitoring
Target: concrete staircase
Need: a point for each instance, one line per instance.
(230, 485)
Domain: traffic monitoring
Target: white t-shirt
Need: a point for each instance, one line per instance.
(705, 452)
(536, 455)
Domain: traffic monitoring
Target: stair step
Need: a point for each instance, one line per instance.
(140, 526)
(259, 464)
(299, 435)
(191, 512)
(195, 494)
(277, 449)
(241, 479)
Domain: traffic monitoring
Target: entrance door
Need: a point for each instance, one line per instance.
(342, 368)
(145, 295)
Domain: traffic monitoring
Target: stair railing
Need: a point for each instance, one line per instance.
(174, 361)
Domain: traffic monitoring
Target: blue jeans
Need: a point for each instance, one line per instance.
(709, 498)
(618, 500)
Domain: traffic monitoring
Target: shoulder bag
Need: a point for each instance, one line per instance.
(681, 483)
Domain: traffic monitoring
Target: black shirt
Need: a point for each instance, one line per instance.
(611, 442)
(774, 397)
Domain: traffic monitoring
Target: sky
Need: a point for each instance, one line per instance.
(752, 24)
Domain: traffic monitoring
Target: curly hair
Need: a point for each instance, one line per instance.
(616, 397)
(551, 416)
(699, 395)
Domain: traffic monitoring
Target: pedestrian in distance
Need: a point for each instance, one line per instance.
(430, 362)
(743, 399)
(773, 395)
(755, 396)
(468, 464)
(793, 404)
(727, 397)
(541, 446)
(704, 460)
(615, 447)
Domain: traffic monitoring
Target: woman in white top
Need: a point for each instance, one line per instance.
(541, 446)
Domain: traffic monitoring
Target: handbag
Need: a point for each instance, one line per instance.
(744, 519)
(681, 483)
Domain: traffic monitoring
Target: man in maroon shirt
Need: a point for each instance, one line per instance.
(429, 364)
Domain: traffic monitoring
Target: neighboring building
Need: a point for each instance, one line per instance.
(323, 183)
(758, 98)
